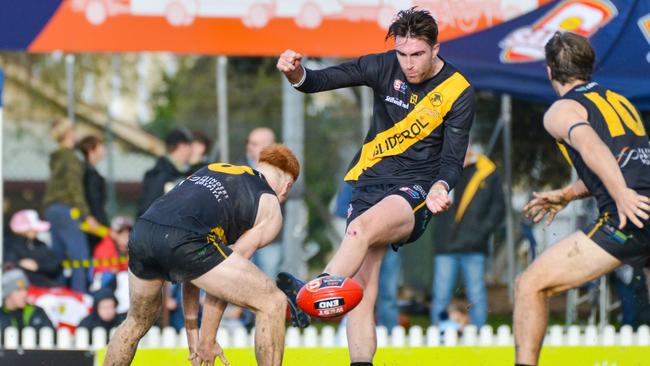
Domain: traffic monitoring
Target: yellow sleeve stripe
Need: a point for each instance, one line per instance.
(564, 152)
(484, 167)
(425, 117)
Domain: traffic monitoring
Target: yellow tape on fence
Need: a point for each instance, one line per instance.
(416, 356)
(87, 263)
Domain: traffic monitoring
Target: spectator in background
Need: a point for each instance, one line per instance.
(94, 151)
(269, 258)
(462, 235)
(111, 261)
(25, 251)
(168, 170)
(16, 312)
(104, 313)
(65, 203)
(201, 145)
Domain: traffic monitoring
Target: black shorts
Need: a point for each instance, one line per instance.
(364, 197)
(630, 245)
(177, 255)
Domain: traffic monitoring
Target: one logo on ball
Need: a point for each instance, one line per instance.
(329, 303)
(313, 285)
(332, 281)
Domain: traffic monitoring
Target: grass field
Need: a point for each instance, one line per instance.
(438, 356)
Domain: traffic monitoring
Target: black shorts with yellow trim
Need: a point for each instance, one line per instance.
(630, 245)
(364, 197)
(173, 254)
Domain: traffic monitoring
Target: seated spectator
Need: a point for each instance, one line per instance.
(111, 261)
(111, 254)
(25, 251)
(16, 312)
(104, 313)
(454, 317)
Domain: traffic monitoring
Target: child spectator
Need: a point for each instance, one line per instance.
(111, 261)
(25, 251)
(104, 313)
(15, 311)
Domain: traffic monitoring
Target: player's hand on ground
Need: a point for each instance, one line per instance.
(632, 206)
(289, 64)
(545, 203)
(438, 199)
(207, 352)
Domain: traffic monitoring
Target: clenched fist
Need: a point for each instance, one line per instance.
(289, 64)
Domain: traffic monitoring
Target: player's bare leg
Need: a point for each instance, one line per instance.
(362, 337)
(238, 281)
(145, 303)
(391, 220)
(565, 265)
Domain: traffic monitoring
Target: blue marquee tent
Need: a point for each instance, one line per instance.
(508, 58)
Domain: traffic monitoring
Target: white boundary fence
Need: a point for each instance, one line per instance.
(330, 337)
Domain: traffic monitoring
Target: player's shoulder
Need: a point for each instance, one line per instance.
(564, 107)
(449, 70)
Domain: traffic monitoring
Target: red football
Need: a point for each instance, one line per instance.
(329, 296)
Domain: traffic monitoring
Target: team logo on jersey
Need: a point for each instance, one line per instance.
(436, 99)
(400, 86)
(414, 99)
(584, 17)
(644, 24)
(627, 155)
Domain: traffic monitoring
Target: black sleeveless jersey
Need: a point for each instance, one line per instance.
(219, 199)
(619, 126)
(419, 132)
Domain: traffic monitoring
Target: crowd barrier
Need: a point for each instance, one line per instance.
(330, 337)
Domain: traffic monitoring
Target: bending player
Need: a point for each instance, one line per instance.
(184, 237)
(413, 154)
(603, 136)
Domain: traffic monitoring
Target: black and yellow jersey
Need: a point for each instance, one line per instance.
(419, 132)
(219, 199)
(619, 126)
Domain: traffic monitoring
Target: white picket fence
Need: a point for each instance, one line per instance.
(331, 337)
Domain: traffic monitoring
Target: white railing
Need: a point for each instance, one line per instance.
(331, 337)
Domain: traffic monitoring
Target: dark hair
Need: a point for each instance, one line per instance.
(202, 138)
(570, 57)
(414, 23)
(88, 144)
(177, 136)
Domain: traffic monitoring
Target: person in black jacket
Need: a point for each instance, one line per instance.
(462, 235)
(25, 251)
(104, 313)
(168, 170)
(15, 311)
(94, 151)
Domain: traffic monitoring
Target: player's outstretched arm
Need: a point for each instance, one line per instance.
(551, 202)
(566, 120)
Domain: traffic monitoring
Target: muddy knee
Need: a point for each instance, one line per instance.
(271, 301)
